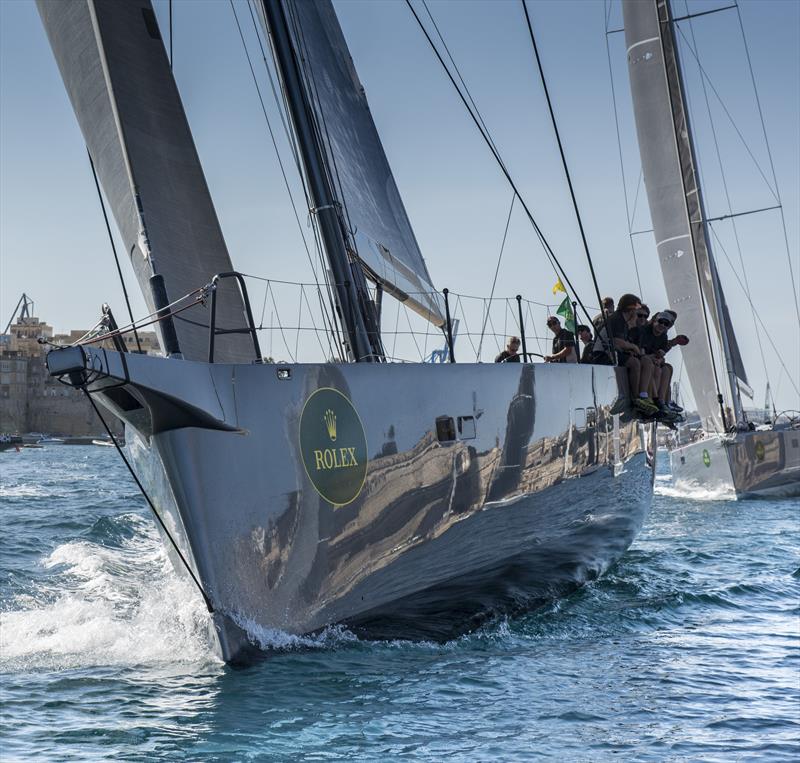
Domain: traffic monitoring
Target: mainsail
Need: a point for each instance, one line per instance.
(117, 75)
(379, 230)
(676, 209)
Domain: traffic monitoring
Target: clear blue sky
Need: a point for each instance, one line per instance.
(53, 244)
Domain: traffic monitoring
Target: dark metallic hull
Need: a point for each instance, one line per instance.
(540, 489)
(747, 464)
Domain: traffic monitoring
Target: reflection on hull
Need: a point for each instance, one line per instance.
(749, 464)
(459, 489)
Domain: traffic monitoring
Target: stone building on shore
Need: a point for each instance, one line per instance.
(33, 401)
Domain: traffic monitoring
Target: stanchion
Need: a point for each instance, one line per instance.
(522, 329)
(449, 325)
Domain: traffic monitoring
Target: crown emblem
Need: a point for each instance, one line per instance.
(330, 424)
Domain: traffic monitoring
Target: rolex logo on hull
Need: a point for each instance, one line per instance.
(330, 424)
(333, 446)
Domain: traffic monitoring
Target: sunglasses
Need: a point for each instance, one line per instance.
(664, 322)
(642, 315)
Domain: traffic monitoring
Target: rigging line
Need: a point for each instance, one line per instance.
(317, 117)
(396, 324)
(299, 322)
(150, 503)
(727, 197)
(264, 306)
(272, 85)
(755, 311)
(728, 114)
(274, 141)
(556, 265)
(497, 269)
(316, 329)
(170, 35)
(413, 335)
(719, 218)
(455, 67)
(114, 250)
(566, 168)
(619, 150)
(771, 162)
(458, 305)
(283, 109)
(681, 18)
(280, 325)
(636, 197)
(607, 14)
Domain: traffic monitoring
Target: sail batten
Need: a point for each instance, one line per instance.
(676, 209)
(117, 75)
(378, 233)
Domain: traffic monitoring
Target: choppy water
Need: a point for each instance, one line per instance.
(688, 649)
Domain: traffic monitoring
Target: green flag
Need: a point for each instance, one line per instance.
(565, 311)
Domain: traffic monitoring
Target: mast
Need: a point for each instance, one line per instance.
(670, 47)
(677, 212)
(326, 208)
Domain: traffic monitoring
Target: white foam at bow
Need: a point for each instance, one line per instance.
(107, 606)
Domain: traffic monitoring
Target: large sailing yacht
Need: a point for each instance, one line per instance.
(729, 456)
(396, 497)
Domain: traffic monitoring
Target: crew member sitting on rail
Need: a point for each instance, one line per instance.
(510, 354)
(642, 316)
(606, 310)
(629, 354)
(653, 340)
(563, 343)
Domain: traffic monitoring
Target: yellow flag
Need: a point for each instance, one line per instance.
(559, 287)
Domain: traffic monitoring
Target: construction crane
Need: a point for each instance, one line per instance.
(25, 308)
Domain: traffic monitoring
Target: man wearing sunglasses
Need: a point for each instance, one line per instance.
(629, 354)
(642, 316)
(653, 340)
(511, 352)
(564, 350)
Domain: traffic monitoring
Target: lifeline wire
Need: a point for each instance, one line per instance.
(206, 599)
(114, 250)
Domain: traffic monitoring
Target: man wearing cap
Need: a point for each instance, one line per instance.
(563, 343)
(654, 342)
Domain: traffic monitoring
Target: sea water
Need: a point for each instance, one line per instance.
(688, 649)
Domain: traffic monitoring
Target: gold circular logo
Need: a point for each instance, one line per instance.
(333, 446)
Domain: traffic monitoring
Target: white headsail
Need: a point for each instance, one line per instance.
(676, 210)
(117, 75)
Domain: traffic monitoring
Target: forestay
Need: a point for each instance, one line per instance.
(676, 206)
(117, 75)
(379, 229)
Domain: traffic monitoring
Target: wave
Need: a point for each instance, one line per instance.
(103, 605)
(693, 492)
(22, 491)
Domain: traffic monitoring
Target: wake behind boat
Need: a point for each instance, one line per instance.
(404, 498)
